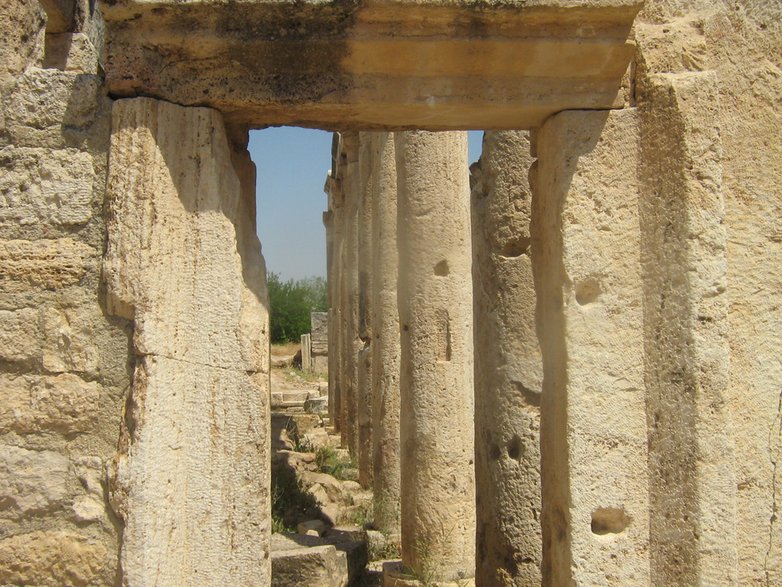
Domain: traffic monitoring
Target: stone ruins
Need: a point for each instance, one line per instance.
(559, 366)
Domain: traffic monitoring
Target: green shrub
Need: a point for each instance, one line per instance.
(290, 305)
(329, 462)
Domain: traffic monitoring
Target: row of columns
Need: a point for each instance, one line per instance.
(402, 317)
(508, 368)
(439, 382)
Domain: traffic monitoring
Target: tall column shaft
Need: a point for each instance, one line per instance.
(385, 337)
(588, 280)
(351, 342)
(365, 270)
(692, 488)
(436, 376)
(184, 263)
(508, 365)
(334, 283)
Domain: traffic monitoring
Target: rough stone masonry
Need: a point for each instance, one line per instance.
(602, 306)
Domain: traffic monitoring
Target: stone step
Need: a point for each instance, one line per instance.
(317, 405)
(322, 566)
(335, 560)
(293, 398)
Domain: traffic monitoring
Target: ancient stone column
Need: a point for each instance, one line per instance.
(693, 489)
(587, 263)
(184, 263)
(436, 377)
(508, 366)
(364, 382)
(351, 343)
(330, 221)
(385, 338)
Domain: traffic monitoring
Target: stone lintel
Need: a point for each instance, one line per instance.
(392, 65)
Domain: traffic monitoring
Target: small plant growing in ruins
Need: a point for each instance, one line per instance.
(330, 462)
(362, 514)
(386, 550)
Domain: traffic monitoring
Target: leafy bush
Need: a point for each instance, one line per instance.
(291, 303)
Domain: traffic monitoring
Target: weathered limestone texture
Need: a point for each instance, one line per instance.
(436, 368)
(63, 362)
(508, 367)
(183, 261)
(691, 447)
(588, 281)
(708, 85)
(385, 338)
(364, 389)
(397, 64)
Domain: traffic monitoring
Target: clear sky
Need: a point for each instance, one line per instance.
(292, 164)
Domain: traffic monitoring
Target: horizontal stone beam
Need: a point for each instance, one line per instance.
(370, 65)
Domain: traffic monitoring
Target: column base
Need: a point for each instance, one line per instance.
(394, 575)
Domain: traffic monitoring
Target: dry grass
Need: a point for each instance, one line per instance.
(287, 349)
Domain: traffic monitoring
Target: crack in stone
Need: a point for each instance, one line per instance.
(210, 365)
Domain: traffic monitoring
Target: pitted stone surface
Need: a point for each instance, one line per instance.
(508, 367)
(184, 262)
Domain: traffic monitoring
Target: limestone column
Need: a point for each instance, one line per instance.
(385, 338)
(351, 343)
(364, 381)
(184, 263)
(588, 280)
(335, 244)
(692, 464)
(508, 366)
(436, 373)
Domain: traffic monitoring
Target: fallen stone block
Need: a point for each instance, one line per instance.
(324, 566)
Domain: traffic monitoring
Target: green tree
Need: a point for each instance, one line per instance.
(291, 303)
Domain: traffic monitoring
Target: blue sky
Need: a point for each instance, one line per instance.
(292, 164)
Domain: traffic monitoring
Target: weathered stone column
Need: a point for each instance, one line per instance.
(184, 263)
(330, 222)
(351, 343)
(692, 468)
(385, 338)
(588, 280)
(435, 313)
(508, 366)
(364, 386)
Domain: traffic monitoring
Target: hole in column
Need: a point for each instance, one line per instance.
(609, 521)
(515, 448)
(441, 269)
(587, 290)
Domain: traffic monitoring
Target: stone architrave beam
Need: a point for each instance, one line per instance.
(392, 65)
